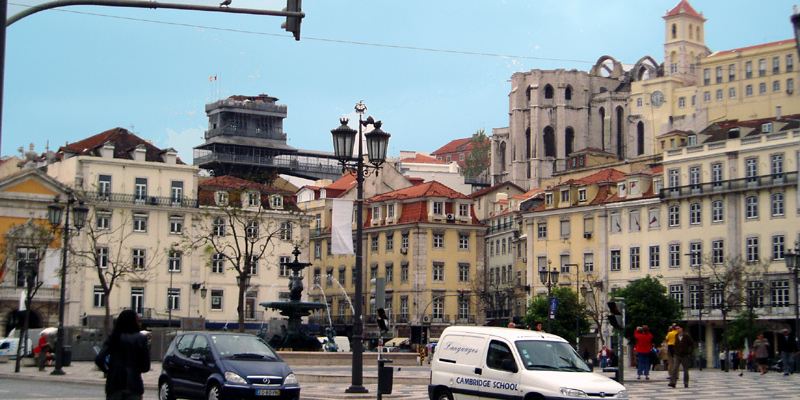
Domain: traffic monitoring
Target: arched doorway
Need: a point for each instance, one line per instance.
(16, 319)
(549, 142)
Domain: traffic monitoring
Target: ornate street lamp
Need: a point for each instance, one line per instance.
(549, 278)
(793, 264)
(377, 143)
(54, 212)
(796, 24)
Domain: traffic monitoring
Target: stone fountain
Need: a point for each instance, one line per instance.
(295, 337)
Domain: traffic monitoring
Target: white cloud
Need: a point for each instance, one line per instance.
(183, 141)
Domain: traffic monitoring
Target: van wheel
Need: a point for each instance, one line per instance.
(165, 390)
(444, 394)
(213, 392)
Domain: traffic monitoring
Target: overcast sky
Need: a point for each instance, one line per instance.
(433, 71)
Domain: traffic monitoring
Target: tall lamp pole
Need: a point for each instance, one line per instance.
(793, 264)
(578, 294)
(54, 212)
(696, 262)
(377, 143)
(549, 278)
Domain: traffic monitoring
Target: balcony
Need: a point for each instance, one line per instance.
(293, 162)
(729, 186)
(98, 198)
(43, 294)
(500, 228)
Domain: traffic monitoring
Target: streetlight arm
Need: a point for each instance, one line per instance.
(146, 4)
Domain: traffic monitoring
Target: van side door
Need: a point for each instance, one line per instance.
(502, 370)
(199, 365)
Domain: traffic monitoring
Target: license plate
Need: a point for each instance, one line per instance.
(268, 392)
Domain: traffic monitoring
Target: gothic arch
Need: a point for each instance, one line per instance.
(548, 91)
(528, 143)
(607, 66)
(640, 138)
(602, 112)
(549, 137)
(620, 139)
(645, 68)
(569, 141)
(568, 93)
(502, 153)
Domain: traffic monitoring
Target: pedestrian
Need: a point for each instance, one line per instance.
(670, 339)
(124, 357)
(722, 360)
(511, 324)
(663, 355)
(787, 346)
(42, 352)
(537, 326)
(761, 349)
(682, 356)
(644, 344)
(604, 355)
(653, 357)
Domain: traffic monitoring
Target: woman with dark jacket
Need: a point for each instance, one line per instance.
(124, 357)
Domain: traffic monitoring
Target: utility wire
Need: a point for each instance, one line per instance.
(319, 39)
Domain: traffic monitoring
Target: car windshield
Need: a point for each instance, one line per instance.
(243, 346)
(550, 356)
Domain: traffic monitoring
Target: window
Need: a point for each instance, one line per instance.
(565, 197)
(674, 216)
(751, 249)
(218, 227)
(762, 67)
(286, 230)
(748, 90)
(404, 272)
(779, 293)
(174, 261)
(716, 174)
(317, 250)
(616, 260)
(717, 251)
(437, 308)
(717, 290)
(616, 222)
(438, 208)
(25, 255)
(139, 258)
(541, 230)
(695, 217)
(776, 65)
(732, 92)
(718, 94)
(694, 177)
(103, 185)
(751, 207)
(373, 271)
(681, 102)
(176, 224)
(173, 298)
(252, 265)
(718, 73)
(102, 257)
(285, 271)
(216, 299)
(588, 262)
(221, 198)
(706, 76)
(639, 102)
(137, 300)
(404, 240)
(790, 86)
(373, 246)
(463, 272)
(140, 189)
(217, 263)
(463, 210)
(655, 256)
(438, 240)
(674, 178)
(777, 204)
(748, 69)
(581, 195)
(499, 353)
(751, 169)
(276, 201)
(695, 254)
(103, 218)
(653, 218)
(404, 308)
(706, 96)
(376, 213)
(176, 192)
(776, 165)
(463, 307)
(675, 255)
(676, 292)
(99, 297)
(389, 241)
(634, 258)
(755, 293)
(438, 272)
(548, 199)
(776, 86)
(463, 241)
(789, 63)
(390, 211)
(696, 296)
(139, 222)
(564, 228)
(342, 276)
(633, 221)
(731, 72)
(762, 88)
(251, 230)
(778, 247)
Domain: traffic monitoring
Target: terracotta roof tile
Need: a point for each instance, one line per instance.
(208, 187)
(453, 146)
(490, 189)
(606, 175)
(684, 8)
(123, 140)
(422, 159)
(427, 189)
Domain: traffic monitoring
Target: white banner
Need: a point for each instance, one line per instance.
(342, 227)
(22, 297)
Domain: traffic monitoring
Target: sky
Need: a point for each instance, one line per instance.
(432, 71)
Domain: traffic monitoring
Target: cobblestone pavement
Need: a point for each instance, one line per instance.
(410, 383)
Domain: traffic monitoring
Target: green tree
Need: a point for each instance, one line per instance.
(477, 162)
(742, 327)
(569, 313)
(647, 303)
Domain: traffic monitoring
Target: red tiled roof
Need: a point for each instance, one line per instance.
(490, 189)
(427, 189)
(453, 146)
(123, 140)
(415, 180)
(753, 47)
(422, 159)
(527, 195)
(684, 8)
(413, 212)
(606, 175)
(341, 185)
(207, 188)
(230, 182)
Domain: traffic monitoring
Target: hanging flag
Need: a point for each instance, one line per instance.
(341, 227)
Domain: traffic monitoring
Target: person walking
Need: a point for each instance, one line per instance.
(643, 347)
(761, 349)
(787, 346)
(604, 355)
(682, 356)
(670, 339)
(124, 357)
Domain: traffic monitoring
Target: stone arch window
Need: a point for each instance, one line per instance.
(640, 138)
(674, 31)
(691, 31)
(697, 33)
(549, 142)
(602, 113)
(548, 91)
(528, 96)
(568, 93)
(620, 140)
(569, 141)
(502, 154)
(528, 144)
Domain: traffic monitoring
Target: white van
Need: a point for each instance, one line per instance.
(474, 362)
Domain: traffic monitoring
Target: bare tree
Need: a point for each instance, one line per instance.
(108, 253)
(594, 301)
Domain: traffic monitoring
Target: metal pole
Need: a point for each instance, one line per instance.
(62, 292)
(356, 385)
(549, 300)
(169, 298)
(699, 317)
(3, 15)
(795, 269)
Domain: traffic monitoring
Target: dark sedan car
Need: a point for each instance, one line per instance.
(211, 365)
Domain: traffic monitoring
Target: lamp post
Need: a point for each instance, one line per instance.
(54, 212)
(796, 24)
(30, 270)
(549, 278)
(377, 142)
(793, 264)
(696, 262)
(578, 295)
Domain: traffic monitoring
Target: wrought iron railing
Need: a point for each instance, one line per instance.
(123, 198)
(731, 185)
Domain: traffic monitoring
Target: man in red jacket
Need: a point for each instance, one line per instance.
(644, 344)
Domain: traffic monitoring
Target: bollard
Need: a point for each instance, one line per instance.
(385, 377)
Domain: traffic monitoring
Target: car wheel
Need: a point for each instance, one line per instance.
(444, 394)
(165, 390)
(213, 392)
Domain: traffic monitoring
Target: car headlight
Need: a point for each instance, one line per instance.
(291, 379)
(233, 377)
(573, 392)
(622, 394)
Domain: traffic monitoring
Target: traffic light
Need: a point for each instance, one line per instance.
(292, 24)
(615, 314)
(378, 292)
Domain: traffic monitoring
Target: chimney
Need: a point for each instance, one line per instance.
(170, 156)
(139, 153)
(107, 151)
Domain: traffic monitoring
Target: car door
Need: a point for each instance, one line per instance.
(177, 367)
(502, 370)
(198, 365)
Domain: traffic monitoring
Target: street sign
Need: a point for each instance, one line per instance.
(553, 307)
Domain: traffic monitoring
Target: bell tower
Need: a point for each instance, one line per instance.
(684, 42)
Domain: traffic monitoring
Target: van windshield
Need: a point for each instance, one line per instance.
(545, 355)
